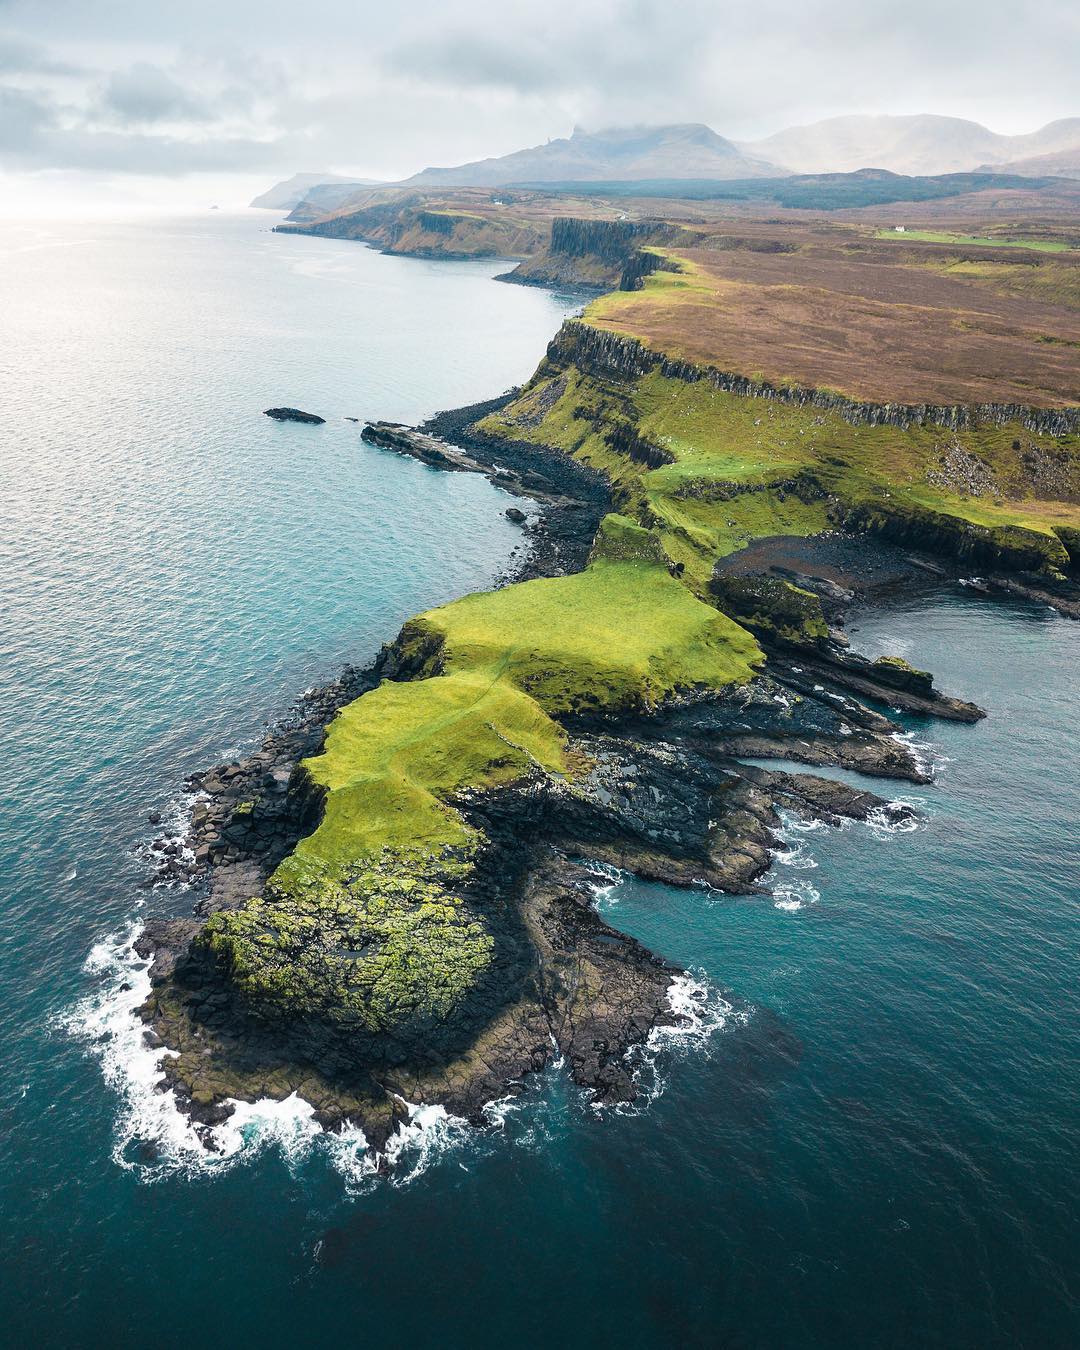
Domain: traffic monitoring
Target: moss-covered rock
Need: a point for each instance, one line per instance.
(386, 947)
(774, 610)
(620, 539)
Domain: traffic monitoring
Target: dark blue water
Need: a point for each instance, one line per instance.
(869, 1139)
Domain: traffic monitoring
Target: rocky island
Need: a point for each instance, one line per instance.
(395, 899)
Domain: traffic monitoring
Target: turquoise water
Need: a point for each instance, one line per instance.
(870, 1136)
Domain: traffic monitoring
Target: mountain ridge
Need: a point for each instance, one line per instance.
(678, 150)
(922, 143)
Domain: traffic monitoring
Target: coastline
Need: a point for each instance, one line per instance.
(232, 851)
(659, 789)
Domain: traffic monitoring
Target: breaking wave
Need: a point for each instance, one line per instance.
(793, 895)
(700, 1011)
(604, 885)
(928, 757)
(156, 1139)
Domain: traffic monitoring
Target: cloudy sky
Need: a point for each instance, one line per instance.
(152, 100)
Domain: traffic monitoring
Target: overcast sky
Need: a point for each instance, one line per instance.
(150, 99)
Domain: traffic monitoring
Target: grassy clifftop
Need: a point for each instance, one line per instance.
(367, 923)
(863, 320)
(744, 467)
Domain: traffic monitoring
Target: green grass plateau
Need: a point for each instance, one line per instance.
(974, 240)
(364, 923)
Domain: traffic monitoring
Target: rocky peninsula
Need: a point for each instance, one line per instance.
(395, 893)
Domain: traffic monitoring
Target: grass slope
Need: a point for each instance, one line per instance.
(366, 924)
(746, 467)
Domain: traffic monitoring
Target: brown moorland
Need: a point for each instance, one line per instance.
(869, 319)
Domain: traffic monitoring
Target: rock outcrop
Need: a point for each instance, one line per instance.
(294, 415)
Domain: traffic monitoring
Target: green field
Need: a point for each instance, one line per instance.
(974, 240)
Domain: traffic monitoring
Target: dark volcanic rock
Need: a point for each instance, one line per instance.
(660, 795)
(293, 415)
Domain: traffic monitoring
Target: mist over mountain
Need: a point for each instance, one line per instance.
(689, 150)
(921, 144)
(292, 191)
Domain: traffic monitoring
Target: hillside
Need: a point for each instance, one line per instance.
(1056, 164)
(922, 144)
(289, 193)
(678, 152)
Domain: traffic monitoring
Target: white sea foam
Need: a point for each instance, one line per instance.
(428, 1135)
(153, 1136)
(794, 895)
(106, 1020)
(884, 820)
(700, 1011)
(928, 757)
(794, 852)
(604, 884)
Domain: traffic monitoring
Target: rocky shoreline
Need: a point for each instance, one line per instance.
(662, 795)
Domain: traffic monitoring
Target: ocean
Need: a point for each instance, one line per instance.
(865, 1136)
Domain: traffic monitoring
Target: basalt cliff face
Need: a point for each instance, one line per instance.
(606, 354)
(595, 254)
(609, 370)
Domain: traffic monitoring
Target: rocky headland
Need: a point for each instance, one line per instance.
(655, 788)
(394, 894)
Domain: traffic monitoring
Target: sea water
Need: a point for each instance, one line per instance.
(865, 1132)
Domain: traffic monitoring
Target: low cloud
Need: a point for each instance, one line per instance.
(25, 121)
(145, 93)
(384, 91)
(29, 58)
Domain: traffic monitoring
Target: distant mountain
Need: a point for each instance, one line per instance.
(922, 144)
(1056, 164)
(285, 196)
(685, 151)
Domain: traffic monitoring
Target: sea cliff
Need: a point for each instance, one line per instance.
(395, 896)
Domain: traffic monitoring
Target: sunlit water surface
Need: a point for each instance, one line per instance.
(868, 1136)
